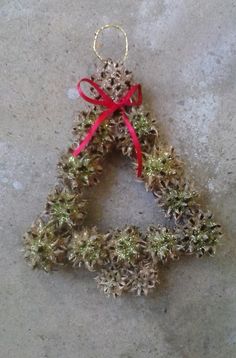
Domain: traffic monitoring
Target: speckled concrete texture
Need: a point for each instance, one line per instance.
(184, 54)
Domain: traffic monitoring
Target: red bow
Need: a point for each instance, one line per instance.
(112, 106)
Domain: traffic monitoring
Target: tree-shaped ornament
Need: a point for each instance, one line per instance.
(126, 259)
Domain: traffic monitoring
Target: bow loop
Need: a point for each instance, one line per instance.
(104, 99)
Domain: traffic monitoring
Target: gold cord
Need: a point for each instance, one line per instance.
(107, 27)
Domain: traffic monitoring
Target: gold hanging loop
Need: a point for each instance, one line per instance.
(108, 26)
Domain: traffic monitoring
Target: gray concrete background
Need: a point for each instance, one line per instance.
(183, 52)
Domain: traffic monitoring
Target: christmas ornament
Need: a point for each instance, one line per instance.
(125, 260)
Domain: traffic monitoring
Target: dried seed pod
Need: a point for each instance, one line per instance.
(143, 124)
(159, 167)
(144, 127)
(126, 259)
(104, 139)
(89, 248)
(114, 78)
(116, 280)
(125, 245)
(81, 171)
(83, 122)
(177, 198)
(144, 279)
(112, 281)
(45, 248)
(200, 235)
(161, 244)
(65, 209)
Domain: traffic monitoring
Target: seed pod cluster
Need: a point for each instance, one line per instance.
(125, 260)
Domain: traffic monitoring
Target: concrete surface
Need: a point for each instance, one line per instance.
(183, 52)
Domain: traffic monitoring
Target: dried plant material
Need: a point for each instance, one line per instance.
(81, 171)
(144, 279)
(65, 209)
(176, 198)
(89, 248)
(114, 78)
(145, 128)
(124, 245)
(200, 236)
(159, 167)
(113, 281)
(139, 279)
(104, 139)
(161, 244)
(126, 260)
(45, 248)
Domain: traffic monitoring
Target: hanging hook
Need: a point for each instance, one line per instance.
(108, 26)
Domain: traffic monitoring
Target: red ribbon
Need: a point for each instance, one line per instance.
(112, 106)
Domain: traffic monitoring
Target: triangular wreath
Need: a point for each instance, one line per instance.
(125, 259)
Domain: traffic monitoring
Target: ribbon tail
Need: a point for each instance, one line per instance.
(136, 142)
(92, 131)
